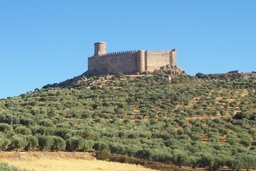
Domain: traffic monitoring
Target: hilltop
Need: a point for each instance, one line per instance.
(183, 120)
(89, 78)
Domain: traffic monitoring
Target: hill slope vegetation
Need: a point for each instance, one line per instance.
(188, 121)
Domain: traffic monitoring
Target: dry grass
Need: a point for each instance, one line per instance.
(63, 161)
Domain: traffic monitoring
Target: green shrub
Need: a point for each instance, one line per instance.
(117, 148)
(46, 123)
(75, 143)
(58, 144)
(18, 142)
(45, 142)
(26, 121)
(7, 167)
(5, 127)
(103, 154)
(145, 154)
(101, 145)
(88, 145)
(180, 158)
(4, 142)
(22, 130)
(32, 142)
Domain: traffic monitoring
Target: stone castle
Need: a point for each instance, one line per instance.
(135, 62)
(129, 62)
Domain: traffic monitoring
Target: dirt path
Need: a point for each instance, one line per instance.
(63, 161)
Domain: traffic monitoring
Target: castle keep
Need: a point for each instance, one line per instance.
(128, 62)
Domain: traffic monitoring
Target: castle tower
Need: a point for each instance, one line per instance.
(141, 61)
(173, 61)
(100, 48)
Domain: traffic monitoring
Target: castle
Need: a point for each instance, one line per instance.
(129, 62)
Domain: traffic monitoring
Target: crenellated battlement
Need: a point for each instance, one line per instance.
(158, 51)
(117, 53)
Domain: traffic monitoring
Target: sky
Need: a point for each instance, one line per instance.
(49, 41)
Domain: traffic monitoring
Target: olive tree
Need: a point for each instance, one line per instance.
(45, 142)
(4, 142)
(32, 142)
(18, 142)
(58, 144)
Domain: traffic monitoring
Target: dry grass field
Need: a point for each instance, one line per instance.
(63, 161)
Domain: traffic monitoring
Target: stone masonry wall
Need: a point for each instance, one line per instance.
(113, 63)
(156, 59)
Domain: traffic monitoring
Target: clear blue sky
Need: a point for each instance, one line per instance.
(48, 41)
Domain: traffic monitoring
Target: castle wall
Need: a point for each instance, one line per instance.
(128, 62)
(112, 63)
(156, 59)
